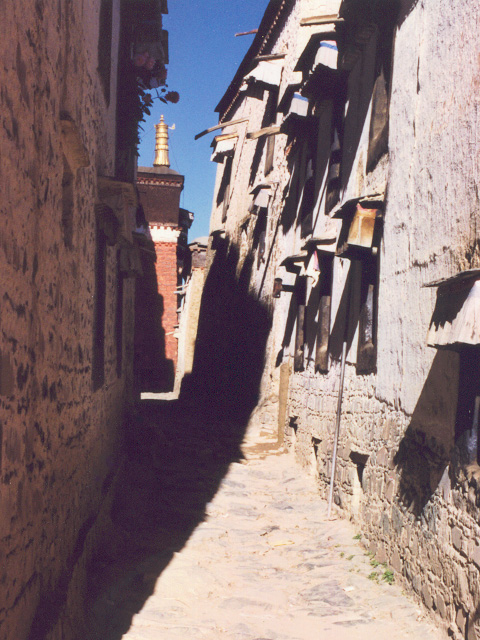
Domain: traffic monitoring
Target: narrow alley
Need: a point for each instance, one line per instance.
(240, 272)
(256, 558)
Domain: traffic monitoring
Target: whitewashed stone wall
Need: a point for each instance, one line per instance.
(415, 510)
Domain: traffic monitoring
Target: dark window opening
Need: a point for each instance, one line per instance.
(468, 407)
(334, 181)
(378, 135)
(226, 202)
(105, 46)
(269, 119)
(259, 236)
(224, 190)
(360, 470)
(98, 355)
(308, 201)
(360, 461)
(367, 330)
(300, 293)
(323, 327)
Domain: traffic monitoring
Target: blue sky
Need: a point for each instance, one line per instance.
(204, 56)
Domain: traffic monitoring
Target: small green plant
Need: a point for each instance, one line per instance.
(373, 576)
(374, 563)
(358, 536)
(350, 558)
(342, 553)
(388, 576)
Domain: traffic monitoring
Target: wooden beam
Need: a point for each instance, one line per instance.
(267, 131)
(318, 20)
(269, 56)
(246, 33)
(220, 126)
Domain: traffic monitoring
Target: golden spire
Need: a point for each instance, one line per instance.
(161, 145)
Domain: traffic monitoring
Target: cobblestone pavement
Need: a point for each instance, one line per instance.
(264, 564)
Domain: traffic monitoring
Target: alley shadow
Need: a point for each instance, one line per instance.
(154, 372)
(178, 452)
(426, 448)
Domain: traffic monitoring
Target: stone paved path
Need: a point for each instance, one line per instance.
(265, 564)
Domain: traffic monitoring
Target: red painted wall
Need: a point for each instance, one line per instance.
(166, 267)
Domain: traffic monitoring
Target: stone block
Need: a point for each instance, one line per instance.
(457, 538)
(381, 556)
(427, 596)
(387, 428)
(417, 584)
(475, 555)
(397, 520)
(390, 490)
(461, 619)
(396, 561)
(385, 524)
(441, 606)
(382, 457)
(414, 544)
(462, 587)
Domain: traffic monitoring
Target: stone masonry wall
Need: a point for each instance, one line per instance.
(396, 475)
(59, 440)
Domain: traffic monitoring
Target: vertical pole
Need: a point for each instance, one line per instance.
(340, 390)
(337, 428)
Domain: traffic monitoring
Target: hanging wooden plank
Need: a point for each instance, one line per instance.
(269, 153)
(261, 133)
(220, 126)
(318, 20)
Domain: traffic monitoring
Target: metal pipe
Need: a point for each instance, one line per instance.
(337, 428)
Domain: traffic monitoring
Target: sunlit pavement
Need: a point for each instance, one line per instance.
(265, 564)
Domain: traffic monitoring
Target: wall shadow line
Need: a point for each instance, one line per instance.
(178, 452)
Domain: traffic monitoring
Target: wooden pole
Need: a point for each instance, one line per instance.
(337, 428)
(340, 391)
(246, 33)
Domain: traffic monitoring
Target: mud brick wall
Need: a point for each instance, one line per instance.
(59, 440)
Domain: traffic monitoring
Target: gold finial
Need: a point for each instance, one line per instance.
(161, 145)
